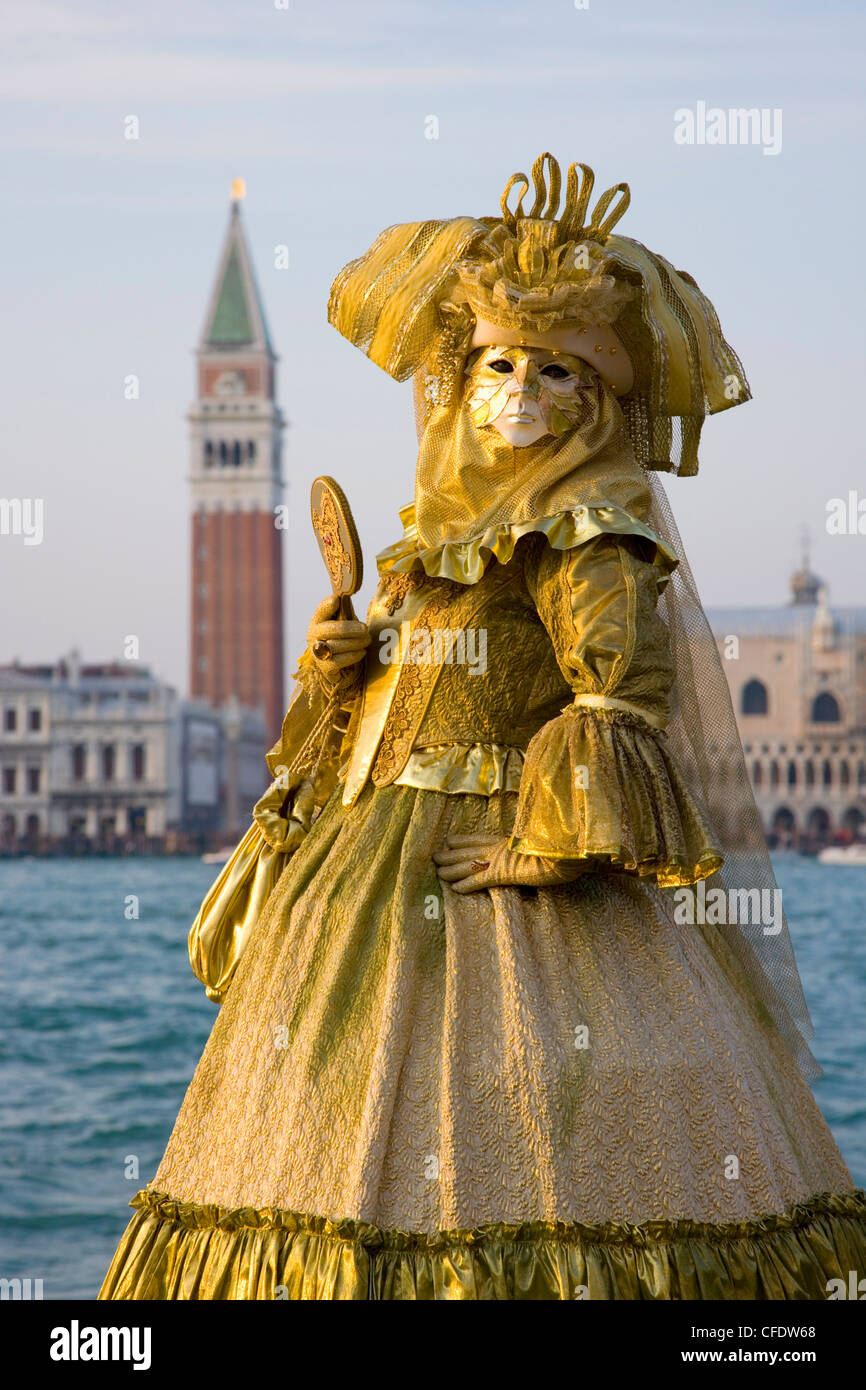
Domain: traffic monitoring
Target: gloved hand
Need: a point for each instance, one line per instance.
(335, 643)
(470, 862)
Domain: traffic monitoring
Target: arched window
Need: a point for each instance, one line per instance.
(251, 451)
(792, 773)
(224, 454)
(774, 773)
(757, 773)
(208, 453)
(827, 773)
(825, 709)
(861, 775)
(236, 453)
(818, 823)
(810, 773)
(754, 698)
(844, 773)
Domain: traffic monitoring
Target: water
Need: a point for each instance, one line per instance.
(104, 1023)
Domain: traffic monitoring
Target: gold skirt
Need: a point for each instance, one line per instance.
(409, 1093)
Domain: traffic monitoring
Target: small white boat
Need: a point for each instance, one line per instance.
(218, 856)
(844, 854)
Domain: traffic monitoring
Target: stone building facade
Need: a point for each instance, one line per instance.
(106, 757)
(25, 757)
(797, 676)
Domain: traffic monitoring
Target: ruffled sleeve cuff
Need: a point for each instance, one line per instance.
(600, 786)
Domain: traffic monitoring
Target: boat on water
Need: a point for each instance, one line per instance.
(844, 854)
(218, 857)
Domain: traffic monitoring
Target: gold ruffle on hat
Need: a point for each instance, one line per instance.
(412, 302)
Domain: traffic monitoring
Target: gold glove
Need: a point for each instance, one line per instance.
(470, 862)
(337, 644)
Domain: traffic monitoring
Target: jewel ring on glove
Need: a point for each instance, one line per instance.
(321, 650)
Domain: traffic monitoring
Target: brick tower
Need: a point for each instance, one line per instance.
(236, 612)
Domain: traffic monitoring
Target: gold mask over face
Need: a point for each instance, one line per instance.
(525, 393)
(565, 445)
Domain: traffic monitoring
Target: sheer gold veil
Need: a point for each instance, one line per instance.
(704, 737)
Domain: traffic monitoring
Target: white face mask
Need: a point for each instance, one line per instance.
(525, 393)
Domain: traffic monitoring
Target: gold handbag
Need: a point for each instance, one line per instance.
(237, 899)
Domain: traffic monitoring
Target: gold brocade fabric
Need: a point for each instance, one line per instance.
(561, 1076)
(394, 1053)
(177, 1250)
(595, 784)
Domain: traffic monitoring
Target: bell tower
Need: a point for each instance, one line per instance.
(236, 609)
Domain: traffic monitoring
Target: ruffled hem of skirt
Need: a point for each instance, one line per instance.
(175, 1250)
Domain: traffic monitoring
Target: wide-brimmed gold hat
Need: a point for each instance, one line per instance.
(427, 293)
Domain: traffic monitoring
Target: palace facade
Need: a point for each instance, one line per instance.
(797, 677)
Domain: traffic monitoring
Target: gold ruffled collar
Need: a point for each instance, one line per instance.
(465, 561)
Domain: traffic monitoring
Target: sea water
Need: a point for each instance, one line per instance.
(103, 1024)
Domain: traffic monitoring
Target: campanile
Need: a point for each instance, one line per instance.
(236, 610)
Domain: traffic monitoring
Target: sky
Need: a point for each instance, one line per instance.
(111, 245)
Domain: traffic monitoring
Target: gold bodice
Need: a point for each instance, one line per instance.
(548, 678)
(548, 626)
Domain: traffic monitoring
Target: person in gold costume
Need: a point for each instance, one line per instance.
(508, 1010)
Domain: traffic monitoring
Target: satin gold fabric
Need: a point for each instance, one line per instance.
(380, 684)
(385, 302)
(599, 639)
(610, 702)
(477, 768)
(465, 561)
(411, 300)
(605, 789)
(469, 481)
(598, 782)
(181, 1251)
(219, 934)
(371, 989)
(599, 603)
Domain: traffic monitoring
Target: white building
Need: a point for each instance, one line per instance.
(106, 757)
(25, 751)
(797, 676)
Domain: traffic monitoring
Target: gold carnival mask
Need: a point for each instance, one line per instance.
(525, 393)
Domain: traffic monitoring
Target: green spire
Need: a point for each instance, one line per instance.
(235, 317)
(231, 320)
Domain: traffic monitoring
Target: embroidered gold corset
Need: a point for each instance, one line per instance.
(548, 679)
(558, 691)
(490, 664)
